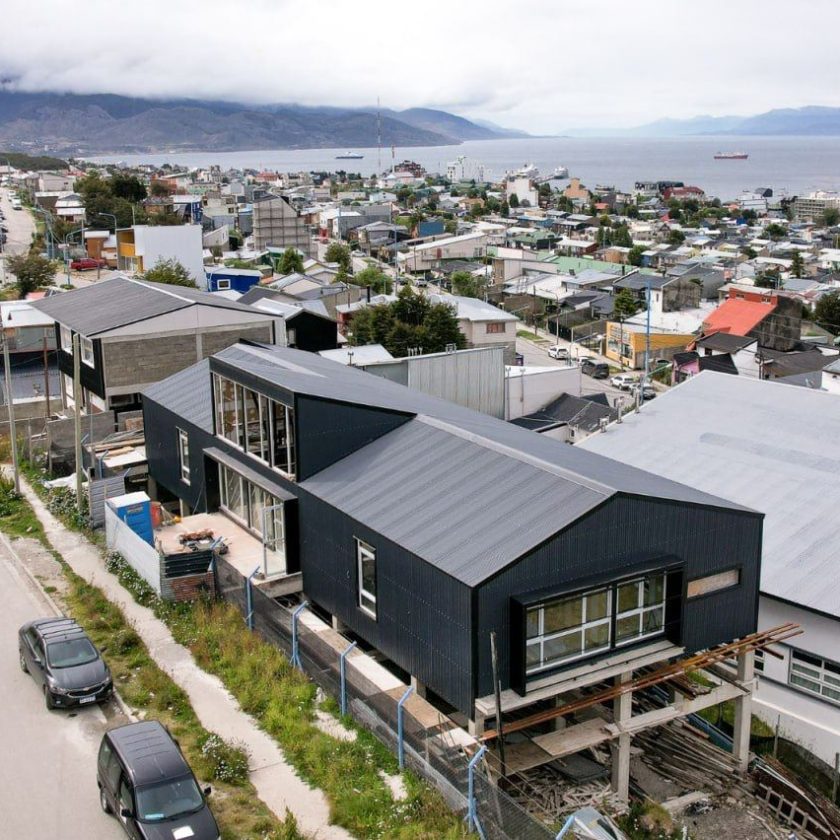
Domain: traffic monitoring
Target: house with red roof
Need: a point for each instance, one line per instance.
(774, 320)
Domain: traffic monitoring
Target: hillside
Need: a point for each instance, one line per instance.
(96, 124)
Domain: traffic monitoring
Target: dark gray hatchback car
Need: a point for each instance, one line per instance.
(146, 782)
(61, 659)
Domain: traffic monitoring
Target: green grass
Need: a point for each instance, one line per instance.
(283, 700)
(531, 336)
(145, 687)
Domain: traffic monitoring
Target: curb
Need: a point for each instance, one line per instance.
(7, 543)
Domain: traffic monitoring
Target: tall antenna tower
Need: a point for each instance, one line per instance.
(378, 140)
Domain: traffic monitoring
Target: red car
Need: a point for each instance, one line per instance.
(87, 264)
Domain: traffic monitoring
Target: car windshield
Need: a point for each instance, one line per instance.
(71, 653)
(168, 800)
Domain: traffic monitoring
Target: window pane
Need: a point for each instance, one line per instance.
(532, 655)
(368, 574)
(597, 637)
(654, 590)
(235, 502)
(653, 620)
(809, 684)
(833, 693)
(569, 644)
(228, 396)
(563, 614)
(533, 623)
(626, 628)
(596, 605)
(257, 495)
(628, 596)
(252, 421)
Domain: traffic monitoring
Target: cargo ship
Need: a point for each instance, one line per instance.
(731, 156)
(349, 156)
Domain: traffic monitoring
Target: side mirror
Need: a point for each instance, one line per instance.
(126, 813)
(208, 790)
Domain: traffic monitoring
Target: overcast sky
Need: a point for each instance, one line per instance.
(539, 65)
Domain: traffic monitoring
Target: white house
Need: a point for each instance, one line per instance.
(774, 448)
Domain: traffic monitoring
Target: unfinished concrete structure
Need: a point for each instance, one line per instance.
(277, 223)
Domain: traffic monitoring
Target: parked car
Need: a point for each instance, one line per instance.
(87, 263)
(61, 658)
(145, 781)
(648, 391)
(558, 352)
(597, 370)
(623, 381)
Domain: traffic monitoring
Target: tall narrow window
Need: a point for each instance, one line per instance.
(66, 339)
(87, 351)
(184, 455)
(366, 559)
(251, 415)
(640, 609)
(283, 443)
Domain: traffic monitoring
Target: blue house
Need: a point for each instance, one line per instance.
(223, 279)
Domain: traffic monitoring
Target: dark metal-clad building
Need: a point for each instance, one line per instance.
(423, 526)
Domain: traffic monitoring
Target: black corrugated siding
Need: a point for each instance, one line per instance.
(619, 535)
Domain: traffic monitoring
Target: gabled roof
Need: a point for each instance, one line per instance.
(737, 316)
(770, 446)
(724, 342)
(722, 363)
(123, 300)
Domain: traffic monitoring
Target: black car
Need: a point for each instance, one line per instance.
(597, 370)
(64, 662)
(145, 781)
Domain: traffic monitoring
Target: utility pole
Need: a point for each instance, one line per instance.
(77, 402)
(46, 380)
(10, 406)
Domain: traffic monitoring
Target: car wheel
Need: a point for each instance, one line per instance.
(23, 663)
(48, 701)
(103, 801)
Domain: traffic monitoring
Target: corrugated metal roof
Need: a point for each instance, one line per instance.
(122, 300)
(188, 394)
(770, 446)
(440, 496)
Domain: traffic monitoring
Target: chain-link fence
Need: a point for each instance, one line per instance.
(430, 747)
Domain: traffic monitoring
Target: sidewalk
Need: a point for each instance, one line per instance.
(275, 780)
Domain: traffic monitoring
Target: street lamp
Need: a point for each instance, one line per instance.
(67, 250)
(49, 231)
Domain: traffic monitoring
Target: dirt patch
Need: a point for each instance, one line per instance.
(734, 821)
(42, 565)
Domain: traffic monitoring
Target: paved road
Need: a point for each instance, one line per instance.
(48, 764)
(19, 237)
(535, 355)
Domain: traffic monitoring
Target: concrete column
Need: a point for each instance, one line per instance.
(419, 688)
(559, 723)
(622, 712)
(475, 725)
(743, 710)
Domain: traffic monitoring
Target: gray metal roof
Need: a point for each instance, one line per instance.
(770, 446)
(410, 486)
(188, 394)
(123, 300)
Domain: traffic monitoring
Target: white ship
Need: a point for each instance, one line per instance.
(561, 172)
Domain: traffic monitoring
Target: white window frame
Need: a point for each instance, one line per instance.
(86, 350)
(586, 624)
(220, 287)
(366, 600)
(814, 679)
(184, 454)
(641, 608)
(66, 336)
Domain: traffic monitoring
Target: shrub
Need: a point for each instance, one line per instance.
(225, 762)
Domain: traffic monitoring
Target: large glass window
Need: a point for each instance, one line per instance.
(366, 560)
(567, 628)
(815, 675)
(184, 455)
(640, 608)
(260, 426)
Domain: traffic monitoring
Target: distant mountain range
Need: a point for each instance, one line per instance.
(79, 125)
(813, 121)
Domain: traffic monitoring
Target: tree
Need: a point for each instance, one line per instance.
(290, 262)
(632, 212)
(775, 231)
(621, 237)
(410, 307)
(171, 272)
(379, 282)
(768, 280)
(636, 255)
(830, 216)
(676, 237)
(797, 265)
(441, 325)
(338, 252)
(513, 201)
(749, 253)
(129, 187)
(159, 189)
(827, 312)
(31, 272)
(625, 305)
(466, 284)
(372, 325)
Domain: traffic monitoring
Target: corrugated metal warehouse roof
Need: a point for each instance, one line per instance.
(770, 446)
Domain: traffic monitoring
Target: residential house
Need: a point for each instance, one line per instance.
(770, 447)
(141, 247)
(422, 527)
(570, 418)
(133, 333)
(428, 255)
(772, 318)
(220, 278)
(667, 294)
(482, 324)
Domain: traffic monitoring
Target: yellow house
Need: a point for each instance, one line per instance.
(626, 344)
